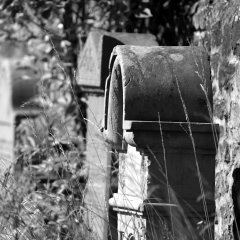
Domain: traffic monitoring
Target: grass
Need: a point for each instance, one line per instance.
(42, 197)
(42, 193)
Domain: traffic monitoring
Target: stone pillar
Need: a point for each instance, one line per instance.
(159, 102)
(92, 73)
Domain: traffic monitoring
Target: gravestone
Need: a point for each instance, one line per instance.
(17, 86)
(92, 73)
(159, 104)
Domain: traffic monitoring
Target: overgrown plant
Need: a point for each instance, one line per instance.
(42, 195)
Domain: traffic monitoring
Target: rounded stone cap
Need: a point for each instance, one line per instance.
(157, 84)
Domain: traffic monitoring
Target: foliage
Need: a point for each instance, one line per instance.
(70, 20)
(202, 11)
(172, 21)
(49, 148)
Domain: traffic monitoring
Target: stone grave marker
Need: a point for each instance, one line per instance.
(91, 76)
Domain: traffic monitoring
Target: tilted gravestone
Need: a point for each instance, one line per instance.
(17, 86)
(158, 110)
(92, 73)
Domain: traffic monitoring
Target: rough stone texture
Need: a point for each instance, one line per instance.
(132, 182)
(225, 63)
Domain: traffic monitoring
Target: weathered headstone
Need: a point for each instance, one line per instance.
(159, 102)
(17, 87)
(92, 73)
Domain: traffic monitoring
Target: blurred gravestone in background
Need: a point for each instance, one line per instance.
(18, 86)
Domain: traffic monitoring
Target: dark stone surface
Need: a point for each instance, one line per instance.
(158, 101)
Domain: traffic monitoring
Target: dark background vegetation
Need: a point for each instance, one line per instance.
(50, 148)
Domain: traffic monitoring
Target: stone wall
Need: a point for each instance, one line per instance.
(225, 64)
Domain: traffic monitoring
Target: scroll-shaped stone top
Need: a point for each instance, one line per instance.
(158, 83)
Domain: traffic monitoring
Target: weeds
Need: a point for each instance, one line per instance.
(42, 194)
